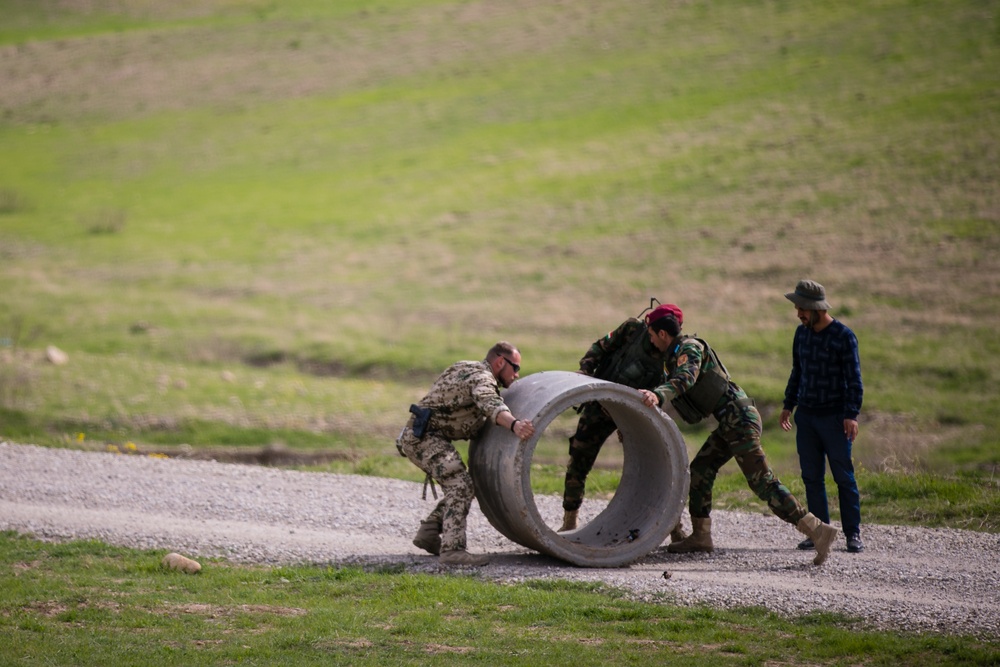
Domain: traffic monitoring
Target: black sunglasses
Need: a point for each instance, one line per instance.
(516, 367)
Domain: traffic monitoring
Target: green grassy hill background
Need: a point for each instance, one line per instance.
(249, 223)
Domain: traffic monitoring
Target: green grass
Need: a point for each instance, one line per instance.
(88, 603)
(253, 224)
(916, 499)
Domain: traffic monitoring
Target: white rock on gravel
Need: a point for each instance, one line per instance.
(914, 579)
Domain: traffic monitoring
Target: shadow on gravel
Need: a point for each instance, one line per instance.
(272, 455)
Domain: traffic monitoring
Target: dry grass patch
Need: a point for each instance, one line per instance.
(135, 73)
(221, 611)
(47, 608)
(437, 649)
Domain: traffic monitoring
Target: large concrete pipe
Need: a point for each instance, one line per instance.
(651, 494)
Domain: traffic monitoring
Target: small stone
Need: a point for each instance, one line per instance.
(175, 561)
(56, 356)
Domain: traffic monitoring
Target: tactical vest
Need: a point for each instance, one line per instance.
(633, 364)
(701, 399)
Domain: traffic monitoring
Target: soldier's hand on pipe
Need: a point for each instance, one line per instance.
(649, 399)
(523, 429)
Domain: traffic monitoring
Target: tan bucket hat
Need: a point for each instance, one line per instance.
(809, 295)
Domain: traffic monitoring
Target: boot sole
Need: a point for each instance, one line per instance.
(434, 549)
(693, 550)
(823, 544)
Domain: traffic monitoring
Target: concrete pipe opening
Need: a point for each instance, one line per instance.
(651, 494)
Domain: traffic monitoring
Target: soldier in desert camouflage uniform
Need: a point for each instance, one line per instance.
(698, 385)
(460, 403)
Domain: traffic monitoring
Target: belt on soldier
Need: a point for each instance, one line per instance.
(738, 404)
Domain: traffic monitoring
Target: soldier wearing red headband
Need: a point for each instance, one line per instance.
(697, 385)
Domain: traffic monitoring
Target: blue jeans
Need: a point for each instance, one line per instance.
(818, 439)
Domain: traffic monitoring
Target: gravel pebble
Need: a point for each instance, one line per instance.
(913, 579)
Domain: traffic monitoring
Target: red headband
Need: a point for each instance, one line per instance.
(665, 310)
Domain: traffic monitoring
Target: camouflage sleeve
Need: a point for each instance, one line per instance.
(605, 346)
(685, 374)
(464, 398)
(486, 395)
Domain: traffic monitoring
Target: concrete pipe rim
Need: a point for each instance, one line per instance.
(628, 527)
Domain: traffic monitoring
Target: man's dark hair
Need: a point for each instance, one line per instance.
(668, 324)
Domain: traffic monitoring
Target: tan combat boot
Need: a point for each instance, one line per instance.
(569, 520)
(461, 557)
(428, 537)
(822, 535)
(678, 534)
(699, 540)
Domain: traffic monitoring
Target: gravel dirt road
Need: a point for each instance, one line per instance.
(914, 579)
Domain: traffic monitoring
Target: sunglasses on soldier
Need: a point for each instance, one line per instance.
(516, 367)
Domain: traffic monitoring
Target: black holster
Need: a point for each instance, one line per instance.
(421, 420)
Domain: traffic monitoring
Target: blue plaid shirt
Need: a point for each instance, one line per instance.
(826, 372)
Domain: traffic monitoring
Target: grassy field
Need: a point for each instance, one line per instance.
(85, 603)
(252, 223)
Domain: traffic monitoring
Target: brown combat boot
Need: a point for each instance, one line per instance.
(678, 534)
(699, 540)
(428, 537)
(569, 520)
(462, 557)
(821, 534)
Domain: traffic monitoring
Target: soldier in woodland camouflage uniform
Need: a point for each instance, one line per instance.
(626, 356)
(698, 385)
(463, 400)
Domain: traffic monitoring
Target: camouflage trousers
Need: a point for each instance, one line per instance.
(593, 428)
(738, 436)
(437, 457)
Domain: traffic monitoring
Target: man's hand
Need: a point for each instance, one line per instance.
(649, 399)
(851, 429)
(785, 420)
(523, 429)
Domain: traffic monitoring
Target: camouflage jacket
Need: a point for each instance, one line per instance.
(686, 361)
(464, 399)
(626, 356)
